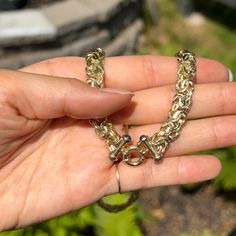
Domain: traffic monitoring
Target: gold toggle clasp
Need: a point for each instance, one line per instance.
(144, 139)
(131, 160)
(133, 155)
(114, 156)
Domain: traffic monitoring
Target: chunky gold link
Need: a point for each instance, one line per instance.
(94, 68)
(182, 101)
(121, 147)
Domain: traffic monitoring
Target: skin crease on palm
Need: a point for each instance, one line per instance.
(52, 162)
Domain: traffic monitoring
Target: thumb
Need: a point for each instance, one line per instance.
(46, 97)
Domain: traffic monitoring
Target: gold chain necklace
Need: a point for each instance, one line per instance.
(121, 147)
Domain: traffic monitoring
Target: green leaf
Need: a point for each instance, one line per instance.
(227, 178)
(123, 223)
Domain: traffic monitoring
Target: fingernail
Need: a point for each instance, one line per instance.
(116, 90)
(230, 76)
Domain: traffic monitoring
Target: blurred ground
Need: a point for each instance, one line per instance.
(203, 212)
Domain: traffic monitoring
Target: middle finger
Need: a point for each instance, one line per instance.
(151, 106)
(132, 72)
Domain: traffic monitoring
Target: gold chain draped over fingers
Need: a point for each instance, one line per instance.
(181, 104)
(121, 147)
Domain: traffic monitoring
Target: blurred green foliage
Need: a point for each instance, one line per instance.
(92, 220)
(172, 33)
(227, 179)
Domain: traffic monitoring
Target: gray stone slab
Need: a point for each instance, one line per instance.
(81, 34)
(69, 15)
(125, 42)
(12, 62)
(126, 15)
(80, 47)
(20, 27)
(29, 58)
(152, 9)
(105, 8)
(77, 48)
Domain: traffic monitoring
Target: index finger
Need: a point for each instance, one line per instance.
(132, 72)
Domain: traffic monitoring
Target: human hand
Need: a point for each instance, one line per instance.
(52, 164)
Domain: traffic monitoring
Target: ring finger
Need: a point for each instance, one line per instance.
(197, 135)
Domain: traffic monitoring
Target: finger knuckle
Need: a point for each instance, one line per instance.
(6, 86)
(215, 132)
(147, 174)
(180, 171)
(149, 70)
(227, 96)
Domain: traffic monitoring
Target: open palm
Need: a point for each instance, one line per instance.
(52, 162)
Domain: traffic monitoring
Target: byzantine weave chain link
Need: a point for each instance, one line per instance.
(121, 147)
